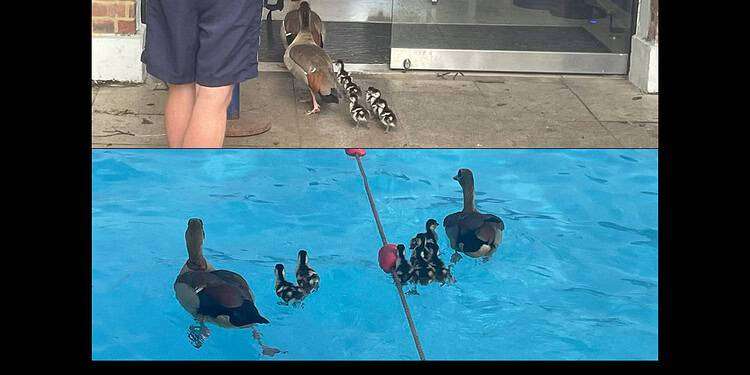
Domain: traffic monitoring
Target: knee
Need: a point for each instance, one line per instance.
(187, 88)
(215, 96)
(182, 92)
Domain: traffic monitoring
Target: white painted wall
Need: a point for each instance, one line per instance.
(644, 54)
(117, 58)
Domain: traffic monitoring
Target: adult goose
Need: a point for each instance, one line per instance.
(470, 231)
(218, 296)
(310, 64)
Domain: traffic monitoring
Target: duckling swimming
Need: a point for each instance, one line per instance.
(424, 272)
(403, 268)
(287, 291)
(420, 242)
(307, 278)
(430, 234)
(442, 273)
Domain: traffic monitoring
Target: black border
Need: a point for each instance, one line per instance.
(82, 151)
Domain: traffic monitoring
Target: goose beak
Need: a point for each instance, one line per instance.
(455, 177)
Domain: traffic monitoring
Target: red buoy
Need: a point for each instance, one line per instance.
(387, 257)
(355, 151)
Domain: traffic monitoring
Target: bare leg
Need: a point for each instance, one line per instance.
(316, 107)
(208, 122)
(177, 112)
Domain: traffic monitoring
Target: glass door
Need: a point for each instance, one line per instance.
(555, 36)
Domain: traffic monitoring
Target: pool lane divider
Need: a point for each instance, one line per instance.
(386, 254)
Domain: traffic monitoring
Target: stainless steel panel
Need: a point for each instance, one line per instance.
(510, 61)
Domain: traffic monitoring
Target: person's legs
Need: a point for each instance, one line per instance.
(228, 54)
(172, 41)
(177, 112)
(208, 121)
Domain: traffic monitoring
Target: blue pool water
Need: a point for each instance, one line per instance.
(575, 278)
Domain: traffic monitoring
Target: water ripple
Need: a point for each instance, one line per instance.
(223, 195)
(596, 179)
(386, 173)
(650, 234)
(594, 292)
(515, 215)
(539, 273)
(601, 322)
(643, 283)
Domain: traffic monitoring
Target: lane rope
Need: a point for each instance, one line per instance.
(412, 327)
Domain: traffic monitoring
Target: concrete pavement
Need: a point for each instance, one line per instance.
(495, 110)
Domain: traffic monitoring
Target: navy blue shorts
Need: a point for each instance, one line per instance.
(210, 42)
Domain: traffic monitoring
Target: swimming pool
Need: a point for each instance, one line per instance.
(576, 276)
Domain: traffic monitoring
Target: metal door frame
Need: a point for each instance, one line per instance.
(512, 61)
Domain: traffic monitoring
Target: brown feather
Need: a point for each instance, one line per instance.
(315, 80)
(224, 294)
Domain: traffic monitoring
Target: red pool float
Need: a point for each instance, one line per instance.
(387, 257)
(355, 151)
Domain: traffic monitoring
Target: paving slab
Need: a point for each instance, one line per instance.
(128, 130)
(521, 98)
(615, 99)
(141, 100)
(634, 134)
(446, 120)
(556, 134)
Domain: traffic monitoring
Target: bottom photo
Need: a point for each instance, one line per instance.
(375, 254)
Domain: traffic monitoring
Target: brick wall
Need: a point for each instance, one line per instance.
(113, 17)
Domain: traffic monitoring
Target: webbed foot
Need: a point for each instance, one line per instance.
(198, 334)
(412, 292)
(269, 351)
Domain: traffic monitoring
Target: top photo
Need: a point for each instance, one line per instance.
(374, 73)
